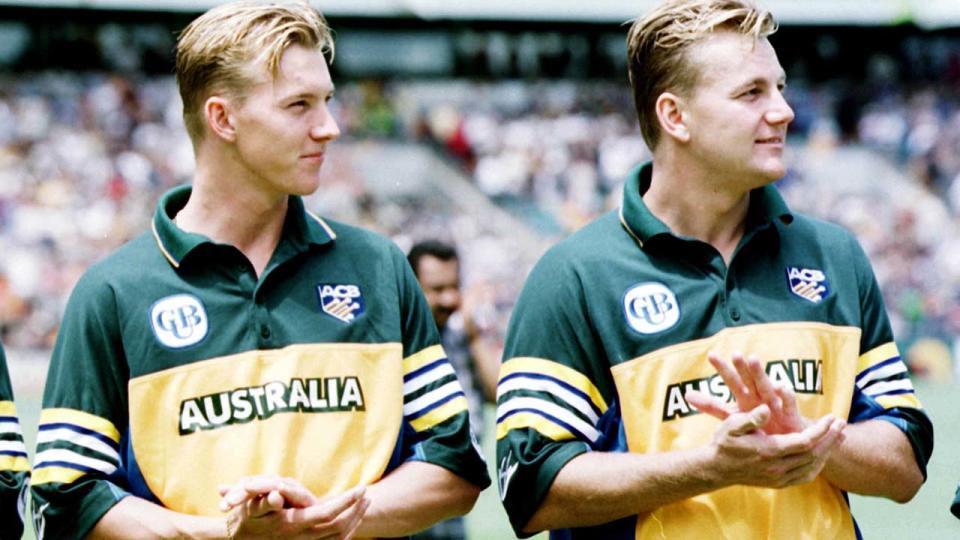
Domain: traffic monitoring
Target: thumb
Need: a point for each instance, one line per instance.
(750, 421)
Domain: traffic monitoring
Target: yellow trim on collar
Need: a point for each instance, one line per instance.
(156, 236)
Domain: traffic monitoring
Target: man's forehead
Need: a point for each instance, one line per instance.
(735, 57)
(284, 87)
(298, 66)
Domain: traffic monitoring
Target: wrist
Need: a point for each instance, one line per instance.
(708, 467)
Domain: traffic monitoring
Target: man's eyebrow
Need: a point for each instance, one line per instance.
(760, 81)
(308, 93)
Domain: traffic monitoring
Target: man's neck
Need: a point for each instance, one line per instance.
(233, 212)
(696, 205)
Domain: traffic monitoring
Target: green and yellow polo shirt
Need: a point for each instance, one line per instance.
(176, 370)
(614, 325)
(14, 463)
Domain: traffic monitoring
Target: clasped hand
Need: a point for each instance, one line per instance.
(763, 440)
(262, 507)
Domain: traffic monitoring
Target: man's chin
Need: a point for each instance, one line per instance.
(770, 173)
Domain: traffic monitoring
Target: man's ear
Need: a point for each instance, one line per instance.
(673, 121)
(217, 111)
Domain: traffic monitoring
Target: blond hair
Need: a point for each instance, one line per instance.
(222, 50)
(657, 48)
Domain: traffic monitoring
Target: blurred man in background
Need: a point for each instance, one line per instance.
(619, 415)
(14, 464)
(474, 357)
(245, 355)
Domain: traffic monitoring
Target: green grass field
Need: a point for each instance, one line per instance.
(926, 517)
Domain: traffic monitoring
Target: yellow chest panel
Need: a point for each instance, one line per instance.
(818, 360)
(328, 415)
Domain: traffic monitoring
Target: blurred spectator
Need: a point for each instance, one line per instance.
(474, 356)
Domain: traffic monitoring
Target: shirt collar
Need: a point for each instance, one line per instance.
(301, 228)
(766, 207)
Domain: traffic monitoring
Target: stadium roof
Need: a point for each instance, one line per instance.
(924, 13)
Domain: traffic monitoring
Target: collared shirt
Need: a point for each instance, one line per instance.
(14, 465)
(614, 325)
(178, 369)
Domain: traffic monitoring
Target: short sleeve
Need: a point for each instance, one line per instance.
(77, 468)
(883, 389)
(436, 416)
(549, 399)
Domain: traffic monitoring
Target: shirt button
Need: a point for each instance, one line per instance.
(265, 332)
(735, 314)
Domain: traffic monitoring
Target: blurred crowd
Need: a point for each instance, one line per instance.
(83, 159)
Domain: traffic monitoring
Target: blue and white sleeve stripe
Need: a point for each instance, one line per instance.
(71, 444)
(882, 376)
(554, 400)
(431, 391)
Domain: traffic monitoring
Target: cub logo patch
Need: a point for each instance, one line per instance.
(342, 302)
(650, 307)
(179, 321)
(808, 283)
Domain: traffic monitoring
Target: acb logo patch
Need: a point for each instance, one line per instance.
(179, 320)
(808, 283)
(343, 302)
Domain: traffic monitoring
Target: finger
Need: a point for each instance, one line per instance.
(733, 381)
(261, 485)
(746, 376)
(276, 500)
(801, 474)
(821, 427)
(345, 524)
(833, 438)
(263, 505)
(803, 441)
(748, 422)
(295, 494)
(765, 390)
(358, 518)
(247, 488)
(708, 404)
(821, 452)
(790, 410)
(329, 509)
(234, 497)
(841, 427)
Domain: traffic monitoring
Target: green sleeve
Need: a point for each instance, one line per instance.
(436, 418)
(14, 464)
(883, 388)
(549, 398)
(78, 468)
